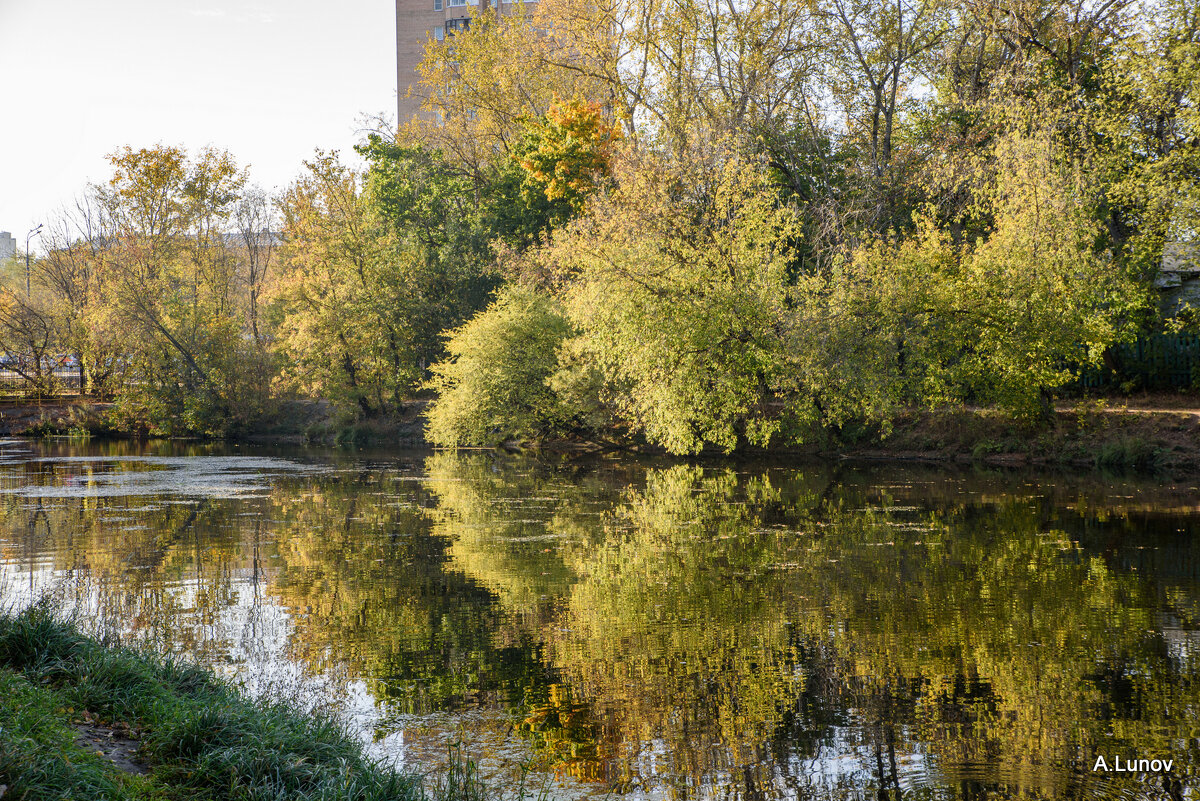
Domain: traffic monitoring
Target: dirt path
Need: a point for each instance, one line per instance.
(1164, 412)
(110, 744)
(1166, 403)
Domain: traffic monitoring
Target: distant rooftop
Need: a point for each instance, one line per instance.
(1178, 280)
(1181, 257)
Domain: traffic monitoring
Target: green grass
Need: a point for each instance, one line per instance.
(201, 737)
(38, 755)
(1128, 452)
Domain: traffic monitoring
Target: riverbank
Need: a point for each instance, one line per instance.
(78, 415)
(295, 422)
(1145, 432)
(1158, 431)
(85, 719)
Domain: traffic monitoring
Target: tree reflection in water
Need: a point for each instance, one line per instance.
(683, 631)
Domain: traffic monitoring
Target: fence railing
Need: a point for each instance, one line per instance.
(62, 381)
(1152, 361)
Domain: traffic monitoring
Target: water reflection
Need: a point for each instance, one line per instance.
(660, 630)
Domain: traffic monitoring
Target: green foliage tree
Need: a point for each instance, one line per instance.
(677, 283)
(492, 386)
(1148, 148)
(339, 328)
(1041, 293)
(375, 267)
(877, 333)
(1006, 321)
(441, 234)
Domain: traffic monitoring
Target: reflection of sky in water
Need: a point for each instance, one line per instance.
(262, 608)
(251, 637)
(109, 477)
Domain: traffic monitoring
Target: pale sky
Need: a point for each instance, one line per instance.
(268, 80)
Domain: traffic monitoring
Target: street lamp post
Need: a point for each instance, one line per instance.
(32, 233)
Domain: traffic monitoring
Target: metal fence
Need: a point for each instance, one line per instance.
(1152, 361)
(62, 381)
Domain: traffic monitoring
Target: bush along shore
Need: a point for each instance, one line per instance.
(82, 718)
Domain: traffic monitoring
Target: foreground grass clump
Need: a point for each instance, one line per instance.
(199, 737)
(38, 754)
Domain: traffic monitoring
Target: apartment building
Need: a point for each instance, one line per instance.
(418, 21)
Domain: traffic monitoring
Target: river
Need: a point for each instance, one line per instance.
(642, 629)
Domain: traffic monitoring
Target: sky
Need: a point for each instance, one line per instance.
(268, 80)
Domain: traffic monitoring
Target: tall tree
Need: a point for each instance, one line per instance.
(171, 274)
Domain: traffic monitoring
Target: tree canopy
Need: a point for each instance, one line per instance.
(691, 223)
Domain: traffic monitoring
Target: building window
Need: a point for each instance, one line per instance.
(453, 3)
(437, 5)
(454, 26)
(439, 33)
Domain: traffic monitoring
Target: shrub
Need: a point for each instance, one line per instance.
(493, 385)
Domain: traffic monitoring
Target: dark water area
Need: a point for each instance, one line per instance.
(646, 630)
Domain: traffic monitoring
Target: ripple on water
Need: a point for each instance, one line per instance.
(653, 633)
(132, 476)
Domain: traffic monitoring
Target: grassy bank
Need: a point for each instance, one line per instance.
(85, 719)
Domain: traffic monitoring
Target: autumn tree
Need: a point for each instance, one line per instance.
(171, 273)
(256, 230)
(334, 334)
(568, 155)
(373, 268)
(31, 336)
(677, 283)
(479, 85)
(72, 273)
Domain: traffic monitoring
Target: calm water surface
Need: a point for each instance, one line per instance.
(655, 630)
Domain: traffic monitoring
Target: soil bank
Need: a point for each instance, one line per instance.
(1144, 432)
